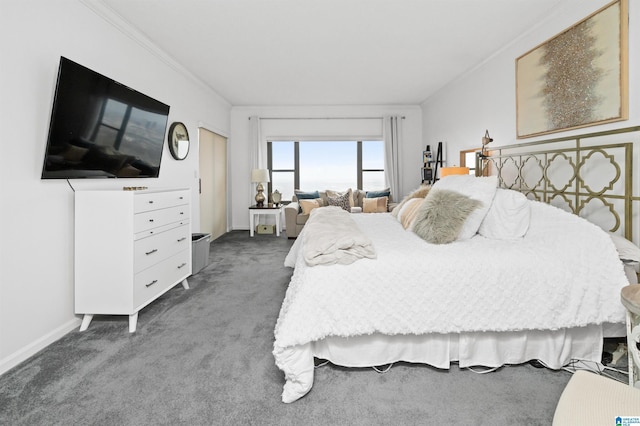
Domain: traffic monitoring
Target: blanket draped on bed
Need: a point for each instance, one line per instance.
(564, 273)
(331, 236)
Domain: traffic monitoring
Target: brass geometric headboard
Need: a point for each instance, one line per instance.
(590, 175)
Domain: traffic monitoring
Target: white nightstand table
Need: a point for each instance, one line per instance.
(267, 209)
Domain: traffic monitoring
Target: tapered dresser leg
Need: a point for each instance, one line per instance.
(86, 320)
(133, 322)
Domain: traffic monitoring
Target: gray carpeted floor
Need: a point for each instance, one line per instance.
(203, 356)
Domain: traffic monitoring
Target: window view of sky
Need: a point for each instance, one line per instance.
(327, 165)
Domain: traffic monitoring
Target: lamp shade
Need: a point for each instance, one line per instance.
(259, 175)
(446, 171)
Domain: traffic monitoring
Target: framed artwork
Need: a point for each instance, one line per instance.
(578, 78)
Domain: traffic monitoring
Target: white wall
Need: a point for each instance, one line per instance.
(484, 98)
(36, 257)
(240, 143)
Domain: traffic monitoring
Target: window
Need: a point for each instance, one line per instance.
(468, 159)
(320, 165)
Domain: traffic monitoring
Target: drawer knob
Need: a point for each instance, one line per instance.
(151, 283)
(182, 239)
(151, 252)
(150, 220)
(181, 212)
(150, 201)
(182, 266)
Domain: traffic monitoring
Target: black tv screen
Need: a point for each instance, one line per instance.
(102, 129)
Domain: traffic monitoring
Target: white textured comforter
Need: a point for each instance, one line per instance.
(565, 273)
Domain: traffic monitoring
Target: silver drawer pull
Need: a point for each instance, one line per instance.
(150, 220)
(181, 212)
(182, 239)
(151, 283)
(182, 198)
(150, 201)
(182, 266)
(151, 252)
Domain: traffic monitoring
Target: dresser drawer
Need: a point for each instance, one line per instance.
(159, 200)
(157, 279)
(151, 250)
(159, 218)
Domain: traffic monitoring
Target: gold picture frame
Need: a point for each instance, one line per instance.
(577, 78)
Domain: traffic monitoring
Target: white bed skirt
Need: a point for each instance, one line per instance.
(489, 349)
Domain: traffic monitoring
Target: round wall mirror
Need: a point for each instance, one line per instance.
(178, 140)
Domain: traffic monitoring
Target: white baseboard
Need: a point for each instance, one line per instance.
(33, 348)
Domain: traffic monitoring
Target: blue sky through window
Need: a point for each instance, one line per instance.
(327, 165)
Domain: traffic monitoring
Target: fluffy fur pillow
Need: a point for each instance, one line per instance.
(442, 214)
(478, 188)
(421, 192)
(375, 205)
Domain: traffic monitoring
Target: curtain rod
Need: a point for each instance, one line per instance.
(321, 118)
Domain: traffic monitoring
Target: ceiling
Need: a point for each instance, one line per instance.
(330, 52)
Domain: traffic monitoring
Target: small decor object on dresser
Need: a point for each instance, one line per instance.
(178, 140)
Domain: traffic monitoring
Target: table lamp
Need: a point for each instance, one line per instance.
(259, 176)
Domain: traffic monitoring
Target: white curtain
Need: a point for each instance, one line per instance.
(258, 151)
(258, 146)
(392, 133)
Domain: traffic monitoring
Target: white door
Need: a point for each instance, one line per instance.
(213, 183)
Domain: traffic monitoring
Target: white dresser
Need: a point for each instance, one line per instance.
(130, 248)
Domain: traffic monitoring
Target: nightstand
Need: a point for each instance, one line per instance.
(267, 209)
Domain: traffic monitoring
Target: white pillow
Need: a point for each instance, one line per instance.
(508, 217)
(628, 252)
(478, 188)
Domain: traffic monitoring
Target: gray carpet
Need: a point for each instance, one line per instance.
(203, 357)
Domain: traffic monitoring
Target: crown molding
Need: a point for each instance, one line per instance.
(126, 28)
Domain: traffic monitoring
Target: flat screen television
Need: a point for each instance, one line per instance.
(100, 128)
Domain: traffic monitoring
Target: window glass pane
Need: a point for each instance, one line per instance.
(372, 155)
(283, 182)
(373, 181)
(282, 155)
(328, 165)
(470, 161)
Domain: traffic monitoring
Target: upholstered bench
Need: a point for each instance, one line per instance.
(591, 399)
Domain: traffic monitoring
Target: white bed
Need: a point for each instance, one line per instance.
(476, 302)
(550, 295)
